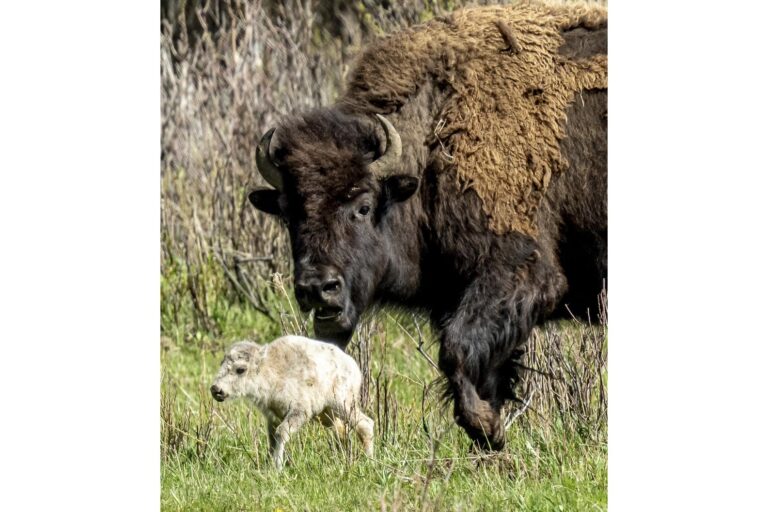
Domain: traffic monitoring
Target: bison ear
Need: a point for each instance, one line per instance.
(266, 200)
(400, 187)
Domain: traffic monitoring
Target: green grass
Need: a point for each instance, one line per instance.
(214, 456)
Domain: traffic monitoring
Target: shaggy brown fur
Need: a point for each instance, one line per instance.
(478, 224)
(508, 88)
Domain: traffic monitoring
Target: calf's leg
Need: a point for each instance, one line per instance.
(272, 424)
(289, 426)
(363, 426)
(329, 419)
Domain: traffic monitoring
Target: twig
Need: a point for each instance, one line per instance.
(424, 413)
(239, 440)
(438, 128)
(420, 343)
(255, 258)
(512, 417)
(239, 287)
(508, 36)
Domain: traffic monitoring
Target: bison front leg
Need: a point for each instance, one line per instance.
(483, 339)
(478, 417)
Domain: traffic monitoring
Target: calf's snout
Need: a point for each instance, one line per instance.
(218, 394)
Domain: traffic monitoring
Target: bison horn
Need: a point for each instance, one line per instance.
(389, 162)
(264, 163)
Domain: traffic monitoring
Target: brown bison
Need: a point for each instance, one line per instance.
(463, 174)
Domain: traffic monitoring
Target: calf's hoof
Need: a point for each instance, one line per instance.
(368, 449)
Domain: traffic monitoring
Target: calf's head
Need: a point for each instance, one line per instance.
(336, 178)
(240, 361)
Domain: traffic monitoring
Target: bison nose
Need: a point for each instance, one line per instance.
(319, 289)
(330, 288)
(218, 393)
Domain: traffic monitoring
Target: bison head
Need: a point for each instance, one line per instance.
(336, 179)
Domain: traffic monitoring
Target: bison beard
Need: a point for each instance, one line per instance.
(378, 214)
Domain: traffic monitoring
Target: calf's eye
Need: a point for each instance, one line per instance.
(364, 210)
(240, 371)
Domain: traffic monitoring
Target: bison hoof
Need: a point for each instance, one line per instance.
(484, 426)
(487, 444)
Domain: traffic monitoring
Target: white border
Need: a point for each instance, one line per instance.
(80, 139)
(687, 256)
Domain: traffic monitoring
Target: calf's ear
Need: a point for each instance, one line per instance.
(266, 200)
(400, 187)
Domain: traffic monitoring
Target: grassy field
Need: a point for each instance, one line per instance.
(214, 456)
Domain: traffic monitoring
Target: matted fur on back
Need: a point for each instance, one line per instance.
(507, 89)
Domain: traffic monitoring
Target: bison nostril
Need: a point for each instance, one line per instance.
(332, 287)
(218, 394)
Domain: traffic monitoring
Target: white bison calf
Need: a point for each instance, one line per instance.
(292, 380)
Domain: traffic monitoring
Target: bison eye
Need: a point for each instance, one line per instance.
(364, 210)
(240, 371)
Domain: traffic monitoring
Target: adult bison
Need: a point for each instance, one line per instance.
(462, 173)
